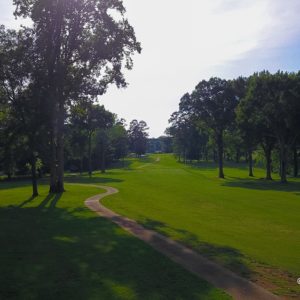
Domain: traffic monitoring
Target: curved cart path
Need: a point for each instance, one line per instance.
(234, 285)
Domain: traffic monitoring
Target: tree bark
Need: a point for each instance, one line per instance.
(220, 154)
(268, 154)
(215, 156)
(57, 151)
(90, 153)
(283, 163)
(268, 145)
(250, 162)
(81, 165)
(34, 177)
(53, 159)
(295, 154)
(237, 156)
(60, 150)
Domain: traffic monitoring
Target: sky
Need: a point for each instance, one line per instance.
(186, 41)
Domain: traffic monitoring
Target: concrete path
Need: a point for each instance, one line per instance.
(236, 286)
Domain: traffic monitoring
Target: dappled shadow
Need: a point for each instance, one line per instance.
(262, 184)
(229, 257)
(70, 254)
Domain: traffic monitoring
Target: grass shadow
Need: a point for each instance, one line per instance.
(229, 257)
(65, 254)
(262, 184)
(30, 199)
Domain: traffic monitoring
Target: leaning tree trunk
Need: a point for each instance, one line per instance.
(283, 163)
(34, 177)
(295, 161)
(220, 154)
(250, 161)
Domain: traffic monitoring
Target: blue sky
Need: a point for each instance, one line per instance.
(187, 41)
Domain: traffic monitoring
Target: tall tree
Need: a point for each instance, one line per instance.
(83, 47)
(213, 102)
(277, 98)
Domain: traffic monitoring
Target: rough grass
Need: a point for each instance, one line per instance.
(52, 247)
(247, 224)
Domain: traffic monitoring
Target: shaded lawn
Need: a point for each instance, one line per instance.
(249, 225)
(52, 247)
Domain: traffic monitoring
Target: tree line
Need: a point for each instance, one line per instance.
(234, 119)
(51, 74)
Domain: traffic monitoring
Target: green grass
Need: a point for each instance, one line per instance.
(52, 247)
(249, 225)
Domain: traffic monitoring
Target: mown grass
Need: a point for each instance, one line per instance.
(52, 247)
(247, 224)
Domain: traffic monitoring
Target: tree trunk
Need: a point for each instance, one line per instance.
(215, 156)
(237, 156)
(90, 153)
(33, 177)
(81, 165)
(57, 151)
(250, 163)
(220, 154)
(60, 150)
(53, 159)
(296, 169)
(103, 161)
(268, 154)
(283, 163)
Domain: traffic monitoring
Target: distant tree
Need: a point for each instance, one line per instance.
(119, 139)
(153, 145)
(166, 143)
(87, 118)
(138, 136)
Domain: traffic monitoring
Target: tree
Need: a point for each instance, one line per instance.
(88, 118)
(248, 130)
(213, 102)
(119, 139)
(276, 97)
(138, 136)
(23, 101)
(166, 143)
(82, 47)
